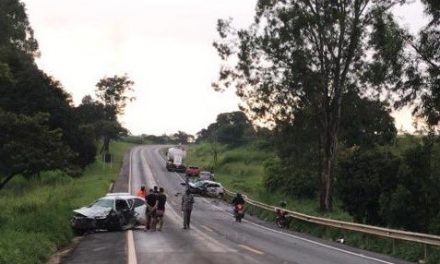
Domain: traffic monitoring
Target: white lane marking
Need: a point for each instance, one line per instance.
(258, 252)
(211, 243)
(304, 239)
(207, 228)
(320, 244)
(131, 248)
(301, 238)
(131, 259)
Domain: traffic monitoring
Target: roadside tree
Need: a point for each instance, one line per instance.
(28, 146)
(363, 178)
(308, 54)
(422, 83)
(113, 93)
(26, 90)
(365, 124)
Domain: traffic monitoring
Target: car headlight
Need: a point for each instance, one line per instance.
(76, 215)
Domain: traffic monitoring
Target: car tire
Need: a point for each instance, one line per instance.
(115, 223)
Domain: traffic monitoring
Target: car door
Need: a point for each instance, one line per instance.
(123, 208)
(139, 210)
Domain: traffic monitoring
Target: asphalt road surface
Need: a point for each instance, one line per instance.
(214, 236)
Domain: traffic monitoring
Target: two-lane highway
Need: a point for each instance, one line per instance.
(214, 237)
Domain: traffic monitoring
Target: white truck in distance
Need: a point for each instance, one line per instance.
(175, 156)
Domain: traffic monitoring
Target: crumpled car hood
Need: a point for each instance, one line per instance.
(94, 211)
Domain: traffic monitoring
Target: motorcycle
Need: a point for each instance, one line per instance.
(282, 219)
(239, 212)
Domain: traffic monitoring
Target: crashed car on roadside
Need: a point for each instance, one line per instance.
(115, 211)
(208, 188)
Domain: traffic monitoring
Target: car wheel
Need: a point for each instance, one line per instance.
(221, 195)
(115, 223)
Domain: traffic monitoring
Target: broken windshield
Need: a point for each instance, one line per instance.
(106, 203)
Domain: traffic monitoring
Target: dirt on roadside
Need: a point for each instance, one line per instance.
(75, 253)
(121, 183)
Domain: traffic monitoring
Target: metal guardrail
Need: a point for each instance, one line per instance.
(422, 238)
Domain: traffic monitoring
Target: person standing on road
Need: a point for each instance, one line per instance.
(141, 192)
(187, 205)
(187, 182)
(150, 211)
(160, 205)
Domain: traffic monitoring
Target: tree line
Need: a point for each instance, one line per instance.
(300, 62)
(326, 75)
(40, 127)
(381, 177)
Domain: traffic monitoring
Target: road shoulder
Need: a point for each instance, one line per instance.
(99, 247)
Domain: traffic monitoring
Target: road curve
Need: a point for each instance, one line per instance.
(215, 237)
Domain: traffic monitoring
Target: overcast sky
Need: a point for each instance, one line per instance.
(165, 46)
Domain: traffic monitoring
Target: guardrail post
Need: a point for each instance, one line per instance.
(368, 241)
(394, 246)
(426, 253)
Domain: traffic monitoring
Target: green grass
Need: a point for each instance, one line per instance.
(35, 214)
(242, 170)
(136, 140)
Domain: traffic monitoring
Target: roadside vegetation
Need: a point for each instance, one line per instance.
(50, 149)
(175, 138)
(382, 178)
(41, 129)
(242, 169)
(327, 91)
(35, 213)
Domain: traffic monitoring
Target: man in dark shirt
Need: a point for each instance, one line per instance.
(150, 200)
(187, 206)
(160, 205)
(238, 199)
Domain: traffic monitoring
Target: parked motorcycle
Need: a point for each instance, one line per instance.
(282, 220)
(239, 212)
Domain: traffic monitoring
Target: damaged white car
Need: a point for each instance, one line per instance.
(115, 211)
